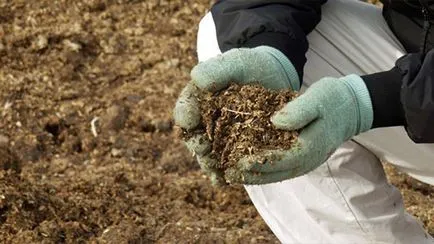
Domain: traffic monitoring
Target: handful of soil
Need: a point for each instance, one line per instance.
(237, 122)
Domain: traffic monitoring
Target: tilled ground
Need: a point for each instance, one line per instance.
(87, 147)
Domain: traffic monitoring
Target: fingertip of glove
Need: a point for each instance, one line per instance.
(202, 78)
(197, 70)
(208, 166)
(187, 112)
(297, 114)
(217, 180)
(282, 120)
(185, 117)
(199, 145)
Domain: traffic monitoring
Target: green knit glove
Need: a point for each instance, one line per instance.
(331, 112)
(265, 65)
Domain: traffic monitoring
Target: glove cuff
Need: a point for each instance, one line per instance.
(361, 93)
(287, 66)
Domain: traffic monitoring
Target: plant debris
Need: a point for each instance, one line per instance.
(237, 122)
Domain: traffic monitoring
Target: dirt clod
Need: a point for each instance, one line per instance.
(4, 140)
(115, 117)
(147, 126)
(163, 125)
(9, 160)
(237, 122)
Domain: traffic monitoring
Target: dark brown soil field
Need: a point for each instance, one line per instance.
(88, 152)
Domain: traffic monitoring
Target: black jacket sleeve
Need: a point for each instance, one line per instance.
(417, 95)
(385, 89)
(282, 24)
(404, 96)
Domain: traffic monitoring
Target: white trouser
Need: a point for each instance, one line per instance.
(347, 199)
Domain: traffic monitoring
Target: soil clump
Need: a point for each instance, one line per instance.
(237, 121)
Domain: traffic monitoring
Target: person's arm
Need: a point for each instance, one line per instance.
(281, 24)
(417, 96)
(405, 96)
(385, 89)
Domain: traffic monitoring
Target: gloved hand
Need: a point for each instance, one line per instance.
(331, 112)
(264, 65)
